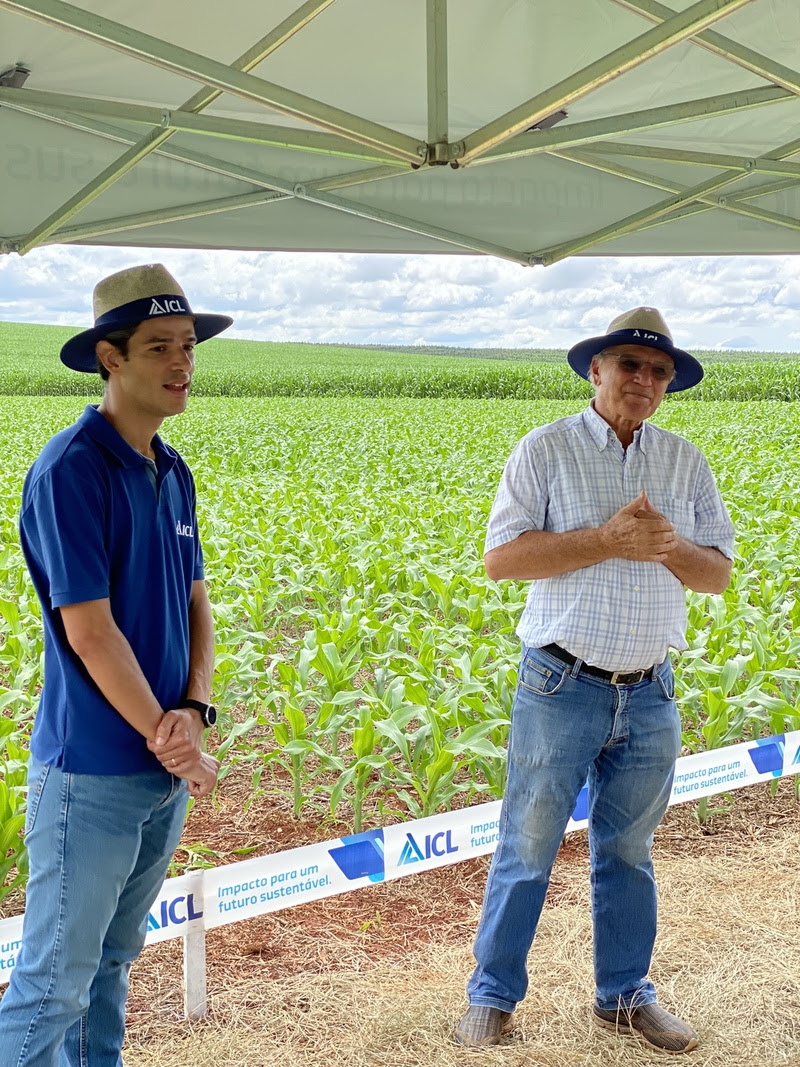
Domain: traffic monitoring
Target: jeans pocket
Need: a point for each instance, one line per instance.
(35, 790)
(538, 679)
(666, 679)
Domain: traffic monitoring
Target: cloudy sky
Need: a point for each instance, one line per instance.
(709, 302)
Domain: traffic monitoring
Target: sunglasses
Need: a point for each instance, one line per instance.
(660, 371)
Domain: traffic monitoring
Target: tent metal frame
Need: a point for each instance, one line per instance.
(389, 153)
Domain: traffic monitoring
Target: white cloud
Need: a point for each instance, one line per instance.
(397, 299)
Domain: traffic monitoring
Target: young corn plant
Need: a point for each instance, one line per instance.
(13, 772)
(365, 763)
(296, 751)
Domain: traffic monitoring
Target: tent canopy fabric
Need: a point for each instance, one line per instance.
(528, 129)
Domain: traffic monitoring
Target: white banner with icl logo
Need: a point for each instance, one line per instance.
(228, 894)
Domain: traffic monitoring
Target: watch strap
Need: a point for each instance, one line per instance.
(208, 713)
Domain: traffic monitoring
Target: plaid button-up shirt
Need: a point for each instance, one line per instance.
(622, 615)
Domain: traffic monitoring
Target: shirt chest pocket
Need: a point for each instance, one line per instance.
(680, 512)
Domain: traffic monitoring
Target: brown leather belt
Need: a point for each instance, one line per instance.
(612, 677)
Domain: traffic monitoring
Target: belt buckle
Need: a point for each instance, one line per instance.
(617, 676)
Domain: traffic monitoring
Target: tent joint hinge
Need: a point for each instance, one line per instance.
(440, 153)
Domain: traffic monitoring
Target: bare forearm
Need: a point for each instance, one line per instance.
(699, 567)
(179, 744)
(636, 532)
(201, 773)
(112, 666)
(542, 554)
(201, 645)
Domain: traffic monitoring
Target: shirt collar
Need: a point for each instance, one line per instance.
(104, 433)
(601, 433)
(642, 437)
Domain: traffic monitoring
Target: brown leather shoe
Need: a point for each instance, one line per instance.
(483, 1026)
(652, 1024)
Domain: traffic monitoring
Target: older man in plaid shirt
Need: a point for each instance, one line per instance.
(610, 518)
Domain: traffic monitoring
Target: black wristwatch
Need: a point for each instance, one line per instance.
(208, 713)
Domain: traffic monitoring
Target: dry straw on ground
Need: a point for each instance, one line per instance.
(728, 958)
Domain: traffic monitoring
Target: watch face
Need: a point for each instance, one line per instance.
(210, 715)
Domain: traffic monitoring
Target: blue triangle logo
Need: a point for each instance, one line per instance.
(411, 852)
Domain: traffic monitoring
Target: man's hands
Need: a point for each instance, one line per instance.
(178, 745)
(639, 532)
(203, 776)
(636, 532)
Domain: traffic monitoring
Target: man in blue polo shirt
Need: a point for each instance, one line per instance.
(109, 532)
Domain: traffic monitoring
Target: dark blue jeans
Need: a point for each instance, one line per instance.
(99, 848)
(566, 727)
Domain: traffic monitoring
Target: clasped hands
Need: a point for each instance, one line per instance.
(178, 747)
(640, 532)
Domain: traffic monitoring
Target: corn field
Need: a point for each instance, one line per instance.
(364, 662)
(258, 369)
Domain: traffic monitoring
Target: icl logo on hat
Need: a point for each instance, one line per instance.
(129, 297)
(640, 326)
(172, 306)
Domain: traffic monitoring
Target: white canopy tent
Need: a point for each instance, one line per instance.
(527, 129)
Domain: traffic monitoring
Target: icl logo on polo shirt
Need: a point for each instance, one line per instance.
(183, 529)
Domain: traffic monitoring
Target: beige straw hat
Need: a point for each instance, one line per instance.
(128, 297)
(639, 326)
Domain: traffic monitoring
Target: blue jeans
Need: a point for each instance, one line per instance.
(566, 727)
(99, 849)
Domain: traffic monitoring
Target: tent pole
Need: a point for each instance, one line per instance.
(210, 72)
(659, 212)
(152, 140)
(702, 159)
(737, 206)
(630, 55)
(578, 133)
(722, 46)
(438, 130)
(60, 106)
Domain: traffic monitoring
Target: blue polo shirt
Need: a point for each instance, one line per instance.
(92, 526)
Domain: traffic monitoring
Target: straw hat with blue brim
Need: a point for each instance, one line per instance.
(641, 326)
(129, 297)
